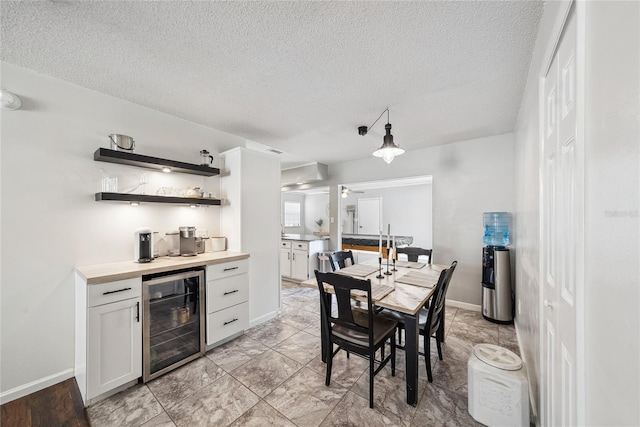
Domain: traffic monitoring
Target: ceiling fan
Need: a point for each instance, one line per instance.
(346, 191)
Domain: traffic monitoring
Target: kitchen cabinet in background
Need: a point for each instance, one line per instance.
(108, 348)
(299, 259)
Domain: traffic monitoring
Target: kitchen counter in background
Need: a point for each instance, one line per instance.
(303, 237)
(109, 272)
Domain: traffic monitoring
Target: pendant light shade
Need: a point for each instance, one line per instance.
(389, 150)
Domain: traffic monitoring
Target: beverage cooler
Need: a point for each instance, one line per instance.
(497, 294)
(173, 321)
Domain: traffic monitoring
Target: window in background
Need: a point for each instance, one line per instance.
(292, 214)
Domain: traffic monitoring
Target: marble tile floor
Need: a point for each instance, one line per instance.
(273, 376)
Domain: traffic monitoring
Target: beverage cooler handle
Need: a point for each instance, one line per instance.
(138, 311)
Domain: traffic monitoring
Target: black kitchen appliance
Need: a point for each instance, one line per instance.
(497, 296)
(142, 248)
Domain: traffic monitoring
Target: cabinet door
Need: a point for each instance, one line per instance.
(300, 264)
(285, 262)
(114, 346)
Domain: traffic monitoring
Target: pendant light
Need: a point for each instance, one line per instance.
(388, 151)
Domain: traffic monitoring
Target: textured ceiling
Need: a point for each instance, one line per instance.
(296, 76)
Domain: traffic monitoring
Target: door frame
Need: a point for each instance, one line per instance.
(552, 46)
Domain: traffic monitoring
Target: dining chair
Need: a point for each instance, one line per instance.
(414, 252)
(431, 320)
(352, 329)
(338, 260)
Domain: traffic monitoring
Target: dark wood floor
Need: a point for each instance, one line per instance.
(58, 405)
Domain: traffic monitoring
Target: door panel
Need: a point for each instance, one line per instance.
(561, 228)
(369, 213)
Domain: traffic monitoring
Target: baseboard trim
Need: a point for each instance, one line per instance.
(33, 386)
(259, 320)
(464, 305)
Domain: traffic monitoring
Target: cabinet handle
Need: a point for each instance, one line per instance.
(230, 321)
(230, 268)
(138, 312)
(289, 256)
(294, 257)
(119, 290)
(231, 292)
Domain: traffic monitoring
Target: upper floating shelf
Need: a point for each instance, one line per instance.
(131, 159)
(146, 198)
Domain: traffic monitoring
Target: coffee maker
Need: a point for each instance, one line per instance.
(188, 241)
(142, 245)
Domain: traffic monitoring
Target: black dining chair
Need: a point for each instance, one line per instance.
(431, 319)
(414, 252)
(354, 330)
(338, 260)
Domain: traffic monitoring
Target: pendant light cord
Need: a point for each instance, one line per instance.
(385, 111)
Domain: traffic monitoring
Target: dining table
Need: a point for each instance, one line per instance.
(405, 290)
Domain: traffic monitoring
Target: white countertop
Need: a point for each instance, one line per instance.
(109, 272)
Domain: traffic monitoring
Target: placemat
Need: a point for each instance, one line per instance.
(377, 291)
(410, 264)
(417, 279)
(360, 270)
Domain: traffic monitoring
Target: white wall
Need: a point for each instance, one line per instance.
(408, 209)
(469, 178)
(50, 222)
(612, 298)
(315, 207)
(611, 219)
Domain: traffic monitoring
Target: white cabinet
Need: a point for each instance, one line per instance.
(299, 259)
(109, 336)
(227, 300)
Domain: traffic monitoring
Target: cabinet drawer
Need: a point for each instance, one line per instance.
(218, 271)
(285, 244)
(223, 293)
(120, 290)
(304, 246)
(224, 323)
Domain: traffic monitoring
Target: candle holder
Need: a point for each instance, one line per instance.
(379, 276)
(394, 261)
(388, 273)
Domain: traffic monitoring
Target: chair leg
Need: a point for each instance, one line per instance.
(427, 356)
(393, 355)
(382, 351)
(327, 381)
(371, 374)
(347, 354)
(439, 346)
(399, 335)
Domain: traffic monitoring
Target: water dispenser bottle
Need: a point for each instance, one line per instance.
(496, 228)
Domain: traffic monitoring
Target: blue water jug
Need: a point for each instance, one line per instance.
(496, 228)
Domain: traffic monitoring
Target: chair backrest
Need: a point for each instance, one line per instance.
(342, 286)
(413, 253)
(337, 259)
(439, 297)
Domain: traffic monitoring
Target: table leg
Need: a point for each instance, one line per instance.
(411, 343)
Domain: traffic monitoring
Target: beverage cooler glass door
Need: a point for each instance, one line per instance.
(173, 322)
